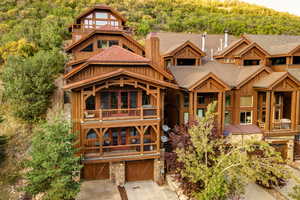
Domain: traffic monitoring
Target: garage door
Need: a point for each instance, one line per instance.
(139, 170)
(282, 148)
(96, 171)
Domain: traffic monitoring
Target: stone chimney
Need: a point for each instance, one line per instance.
(152, 48)
(226, 39)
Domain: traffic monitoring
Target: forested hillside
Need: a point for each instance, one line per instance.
(32, 35)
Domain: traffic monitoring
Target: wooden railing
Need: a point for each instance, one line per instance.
(86, 27)
(92, 147)
(116, 114)
(281, 125)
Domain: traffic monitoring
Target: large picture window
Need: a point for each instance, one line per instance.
(119, 99)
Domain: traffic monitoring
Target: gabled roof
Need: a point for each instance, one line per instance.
(169, 40)
(209, 75)
(273, 79)
(116, 32)
(118, 73)
(247, 73)
(249, 47)
(230, 74)
(177, 47)
(275, 44)
(101, 7)
(230, 47)
(117, 55)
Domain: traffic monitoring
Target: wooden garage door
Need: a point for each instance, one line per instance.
(282, 148)
(139, 170)
(96, 171)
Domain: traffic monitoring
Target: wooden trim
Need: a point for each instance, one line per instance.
(182, 46)
(209, 75)
(117, 73)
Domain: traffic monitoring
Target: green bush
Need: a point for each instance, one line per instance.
(54, 167)
(29, 83)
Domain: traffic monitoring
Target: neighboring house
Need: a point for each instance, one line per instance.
(123, 92)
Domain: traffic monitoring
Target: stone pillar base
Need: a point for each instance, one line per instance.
(117, 173)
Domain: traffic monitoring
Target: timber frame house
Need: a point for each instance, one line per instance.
(122, 92)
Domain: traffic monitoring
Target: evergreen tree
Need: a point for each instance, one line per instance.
(54, 167)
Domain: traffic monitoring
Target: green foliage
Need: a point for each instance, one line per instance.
(33, 28)
(296, 193)
(222, 169)
(54, 168)
(3, 141)
(29, 83)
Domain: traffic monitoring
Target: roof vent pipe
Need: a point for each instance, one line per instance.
(211, 54)
(203, 42)
(221, 46)
(226, 39)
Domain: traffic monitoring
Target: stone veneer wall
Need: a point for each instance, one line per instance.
(159, 171)
(290, 145)
(117, 173)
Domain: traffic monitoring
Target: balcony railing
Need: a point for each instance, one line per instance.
(86, 27)
(120, 114)
(282, 124)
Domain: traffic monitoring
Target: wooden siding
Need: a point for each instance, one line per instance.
(95, 70)
(78, 54)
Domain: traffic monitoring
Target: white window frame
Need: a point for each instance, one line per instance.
(246, 111)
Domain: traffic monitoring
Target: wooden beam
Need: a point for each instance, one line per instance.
(268, 111)
(293, 110)
(191, 100)
(297, 107)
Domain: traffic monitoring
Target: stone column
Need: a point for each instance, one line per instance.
(290, 151)
(159, 171)
(117, 173)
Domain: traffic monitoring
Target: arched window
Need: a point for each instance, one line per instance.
(91, 134)
(90, 103)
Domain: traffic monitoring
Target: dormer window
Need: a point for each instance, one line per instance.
(251, 62)
(186, 61)
(278, 61)
(101, 15)
(88, 48)
(107, 43)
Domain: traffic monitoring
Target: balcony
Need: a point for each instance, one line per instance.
(281, 124)
(144, 112)
(75, 28)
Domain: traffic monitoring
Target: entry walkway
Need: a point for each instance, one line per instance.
(255, 192)
(148, 190)
(98, 190)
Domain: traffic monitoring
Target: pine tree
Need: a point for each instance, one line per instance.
(54, 167)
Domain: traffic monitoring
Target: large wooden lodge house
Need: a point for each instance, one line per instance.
(122, 92)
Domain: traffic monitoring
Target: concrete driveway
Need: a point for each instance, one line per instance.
(255, 192)
(148, 190)
(98, 190)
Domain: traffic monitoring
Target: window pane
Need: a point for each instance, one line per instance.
(91, 134)
(186, 117)
(114, 100)
(246, 117)
(242, 118)
(227, 117)
(101, 15)
(246, 101)
(90, 103)
(133, 99)
(102, 44)
(113, 42)
(100, 23)
(124, 99)
(200, 112)
(88, 48)
(145, 98)
(185, 99)
(105, 100)
(201, 99)
(228, 100)
(123, 136)
(115, 136)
